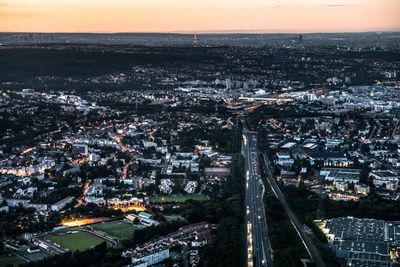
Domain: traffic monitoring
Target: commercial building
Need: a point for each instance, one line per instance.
(80, 149)
(219, 172)
(341, 175)
(362, 242)
(284, 159)
(332, 159)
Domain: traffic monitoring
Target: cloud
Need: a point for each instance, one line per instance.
(340, 5)
(310, 5)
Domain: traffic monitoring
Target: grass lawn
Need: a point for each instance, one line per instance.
(178, 198)
(118, 229)
(6, 260)
(75, 241)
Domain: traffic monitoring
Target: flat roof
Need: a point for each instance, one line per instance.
(289, 145)
(384, 173)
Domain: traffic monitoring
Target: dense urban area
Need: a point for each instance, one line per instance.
(200, 150)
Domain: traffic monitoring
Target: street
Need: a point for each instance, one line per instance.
(258, 248)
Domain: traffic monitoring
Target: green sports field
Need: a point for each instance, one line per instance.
(75, 241)
(178, 198)
(118, 229)
(10, 260)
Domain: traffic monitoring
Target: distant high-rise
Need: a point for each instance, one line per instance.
(301, 38)
(195, 40)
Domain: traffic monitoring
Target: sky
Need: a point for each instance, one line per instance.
(199, 15)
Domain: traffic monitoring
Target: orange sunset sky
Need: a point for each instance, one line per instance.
(200, 16)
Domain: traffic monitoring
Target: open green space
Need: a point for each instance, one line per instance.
(118, 229)
(75, 241)
(10, 260)
(178, 198)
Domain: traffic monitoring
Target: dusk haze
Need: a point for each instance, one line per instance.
(201, 16)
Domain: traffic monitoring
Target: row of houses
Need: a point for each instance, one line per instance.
(157, 250)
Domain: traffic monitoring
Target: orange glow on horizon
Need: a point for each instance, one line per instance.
(200, 16)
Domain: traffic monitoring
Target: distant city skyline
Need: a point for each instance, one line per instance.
(199, 16)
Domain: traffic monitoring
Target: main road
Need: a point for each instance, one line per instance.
(258, 248)
(307, 242)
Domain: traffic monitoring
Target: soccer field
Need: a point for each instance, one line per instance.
(118, 229)
(75, 241)
(178, 198)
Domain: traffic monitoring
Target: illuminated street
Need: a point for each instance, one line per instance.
(258, 252)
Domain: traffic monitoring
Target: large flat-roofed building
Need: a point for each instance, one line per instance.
(139, 264)
(80, 149)
(284, 159)
(363, 263)
(341, 175)
(289, 145)
(333, 159)
(349, 228)
(362, 242)
(376, 251)
(387, 179)
(220, 172)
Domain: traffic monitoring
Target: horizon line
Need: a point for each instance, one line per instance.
(208, 32)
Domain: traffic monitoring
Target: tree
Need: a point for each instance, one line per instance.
(365, 148)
